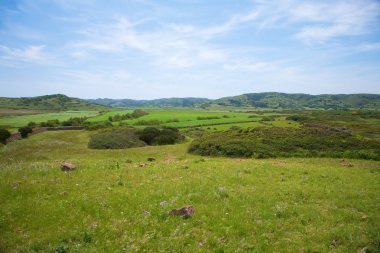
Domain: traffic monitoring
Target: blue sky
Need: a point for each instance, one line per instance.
(144, 49)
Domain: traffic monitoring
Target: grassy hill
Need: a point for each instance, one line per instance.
(57, 102)
(275, 100)
(162, 102)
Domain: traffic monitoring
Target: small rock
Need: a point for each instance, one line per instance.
(364, 250)
(200, 244)
(186, 211)
(163, 203)
(68, 166)
(142, 165)
(221, 188)
(151, 159)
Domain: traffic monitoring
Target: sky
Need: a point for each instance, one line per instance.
(146, 49)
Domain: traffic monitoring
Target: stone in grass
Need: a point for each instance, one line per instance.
(185, 212)
(68, 166)
(151, 159)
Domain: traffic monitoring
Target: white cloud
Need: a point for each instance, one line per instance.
(32, 54)
(369, 47)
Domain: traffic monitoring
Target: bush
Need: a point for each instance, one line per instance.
(24, 131)
(32, 124)
(152, 122)
(129, 137)
(115, 139)
(307, 141)
(4, 135)
(98, 125)
(154, 136)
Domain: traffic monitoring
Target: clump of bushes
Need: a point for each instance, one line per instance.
(134, 115)
(98, 125)
(115, 139)
(307, 141)
(130, 137)
(155, 136)
(24, 131)
(4, 135)
(152, 122)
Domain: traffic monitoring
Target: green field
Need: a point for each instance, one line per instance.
(242, 205)
(22, 120)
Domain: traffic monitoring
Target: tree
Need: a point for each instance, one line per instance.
(4, 135)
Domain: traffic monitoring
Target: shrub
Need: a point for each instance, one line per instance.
(24, 131)
(32, 124)
(152, 122)
(307, 141)
(129, 137)
(98, 125)
(166, 135)
(4, 135)
(115, 139)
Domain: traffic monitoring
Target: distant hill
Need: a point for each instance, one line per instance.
(270, 100)
(57, 102)
(274, 100)
(162, 102)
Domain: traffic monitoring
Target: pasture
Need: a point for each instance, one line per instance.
(15, 121)
(109, 204)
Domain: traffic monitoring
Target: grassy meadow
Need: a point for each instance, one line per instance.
(15, 121)
(109, 204)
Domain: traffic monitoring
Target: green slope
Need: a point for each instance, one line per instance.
(298, 101)
(57, 102)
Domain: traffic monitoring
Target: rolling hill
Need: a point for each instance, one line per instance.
(162, 102)
(56, 102)
(274, 100)
(270, 100)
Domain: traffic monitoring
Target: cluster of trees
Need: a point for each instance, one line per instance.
(134, 115)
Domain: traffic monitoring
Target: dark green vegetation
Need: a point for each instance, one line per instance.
(155, 136)
(130, 137)
(4, 134)
(115, 139)
(307, 141)
(363, 123)
(56, 102)
(109, 204)
(134, 115)
(275, 100)
(24, 131)
(163, 102)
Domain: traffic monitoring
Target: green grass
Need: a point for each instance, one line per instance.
(19, 121)
(111, 205)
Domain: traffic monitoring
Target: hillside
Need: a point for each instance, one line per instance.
(162, 102)
(55, 102)
(275, 100)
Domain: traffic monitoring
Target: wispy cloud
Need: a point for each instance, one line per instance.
(31, 54)
(369, 47)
